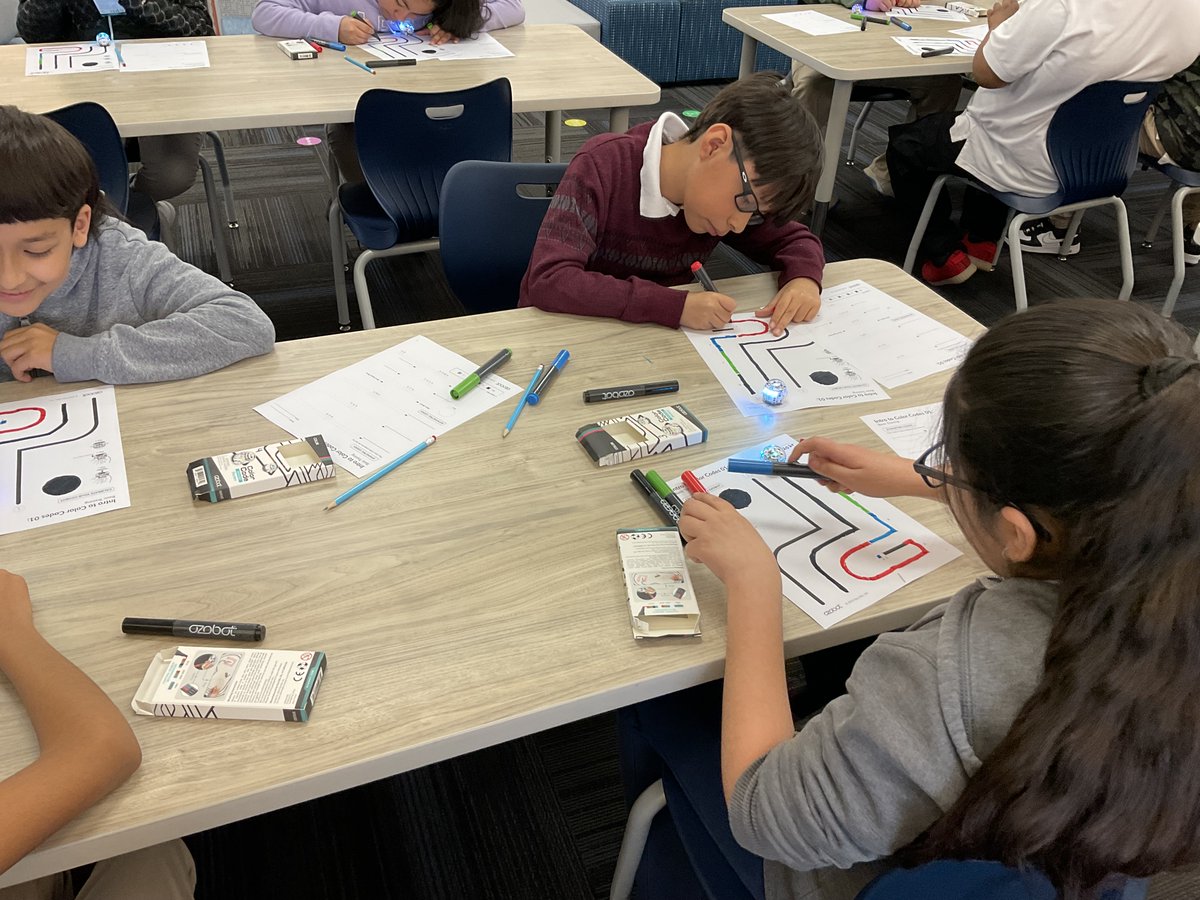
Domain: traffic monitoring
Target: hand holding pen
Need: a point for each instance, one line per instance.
(355, 29)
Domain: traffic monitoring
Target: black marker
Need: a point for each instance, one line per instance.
(940, 51)
(702, 276)
(187, 628)
(669, 513)
(762, 467)
(597, 395)
(388, 63)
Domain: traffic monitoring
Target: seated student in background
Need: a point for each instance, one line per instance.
(83, 295)
(1047, 717)
(85, 750)
(635, 210)
(1034, 58)
(333, 20)
(169, 161)
(929, 93)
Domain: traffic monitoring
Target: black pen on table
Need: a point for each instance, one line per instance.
(598, 395)
(935, 51)
(670, 515)
(702, 276)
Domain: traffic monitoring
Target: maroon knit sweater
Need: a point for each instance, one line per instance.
(596, 255)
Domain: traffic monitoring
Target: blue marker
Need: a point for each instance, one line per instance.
(764, 467)
(539, 389)
(512, 420)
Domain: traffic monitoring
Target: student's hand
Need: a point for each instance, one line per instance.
(854, 469)
(1004, 9)
(16, 612)
(31, 347)
(354, 31)
(439, 35)
(880, 5)
(725, 541)
(797, 301)
(704, 310)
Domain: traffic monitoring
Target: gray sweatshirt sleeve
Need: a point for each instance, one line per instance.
(186, 322)
(865, 776)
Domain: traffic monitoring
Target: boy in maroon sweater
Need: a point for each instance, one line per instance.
(635, 210)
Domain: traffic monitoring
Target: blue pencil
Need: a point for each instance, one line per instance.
(355, 62)
(395, 463)
(512, 420)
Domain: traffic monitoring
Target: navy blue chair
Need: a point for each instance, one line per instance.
(1092, 142)
(407, 142)
(96, 130)
(975, 879)
(490, 216)
(1183, 182)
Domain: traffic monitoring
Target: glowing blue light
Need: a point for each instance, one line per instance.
(774, 392)
(399, 27)
(771, 453)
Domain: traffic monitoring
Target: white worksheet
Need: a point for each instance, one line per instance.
(68, 59)
(375, 410)
(958, 46)
(838, 553)
(418, 47)
(885, 338)
(908, 432)
(746, 356)
(162, 56)
(812, 22)
(61, 459)
(976, 32)
(927, 11)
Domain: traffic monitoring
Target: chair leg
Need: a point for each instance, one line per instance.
(220, 247)
(226, 185)
(360, 289)
(910, 258)
(1003, 237)
(1159, 212)
(1072, 230)
(1018, 265)
(1126, 244)
(337, 247)
(637, 829)
(858, 124)
(1176, 248)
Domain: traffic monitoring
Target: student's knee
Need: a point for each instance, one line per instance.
(168, 165)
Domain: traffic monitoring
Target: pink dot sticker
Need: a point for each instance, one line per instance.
(308, 141)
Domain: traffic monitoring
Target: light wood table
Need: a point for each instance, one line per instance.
(251, 84)
(845, 58)
(470, 597)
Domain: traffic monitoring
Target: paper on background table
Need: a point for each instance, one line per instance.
(68, 59)
(909, 432)
(928, 11)
(161, 57)
(838, 553)
(812, 22)
(417, 46)
(743, 360)
(884, 337)
(78, 472)
(915, 45)
(978, 32)
(378, 408)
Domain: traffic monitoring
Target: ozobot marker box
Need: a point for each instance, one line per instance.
(266, 468)
(625, 438)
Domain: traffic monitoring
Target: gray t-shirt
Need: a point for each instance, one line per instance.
(881, 764)
(131, 311)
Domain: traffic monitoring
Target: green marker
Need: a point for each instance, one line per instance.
(663, 489)
(459, 390)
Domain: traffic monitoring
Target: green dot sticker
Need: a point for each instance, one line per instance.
(574, 123)
(691, 113)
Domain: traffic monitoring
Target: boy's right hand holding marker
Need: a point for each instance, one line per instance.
(855, 469)
(706, 310)
(354, 31)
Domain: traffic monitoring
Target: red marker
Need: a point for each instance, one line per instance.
(692, 483)
(314, 45)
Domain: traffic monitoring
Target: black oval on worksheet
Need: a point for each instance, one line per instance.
(61, 484)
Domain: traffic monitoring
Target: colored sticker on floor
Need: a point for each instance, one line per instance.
(691, 113)
(574, 123)
(308, 141)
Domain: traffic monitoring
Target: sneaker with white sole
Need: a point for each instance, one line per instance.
(1191, 249)
(1040, 236)
(955, 270)
(877, 174)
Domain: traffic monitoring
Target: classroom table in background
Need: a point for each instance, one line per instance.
(470, 597)
(845, 58)
(250, 84)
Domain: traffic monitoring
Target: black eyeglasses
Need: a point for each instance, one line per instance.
(931, 466)
(745, 201)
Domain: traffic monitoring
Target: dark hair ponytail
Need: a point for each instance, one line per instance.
(1089, 412)
(462, 18)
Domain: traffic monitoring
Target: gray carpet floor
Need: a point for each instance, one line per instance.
(539, 817)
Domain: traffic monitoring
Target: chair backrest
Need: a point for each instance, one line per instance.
(489, 225)
(407, 142)
(1092, 139)
(96, 130)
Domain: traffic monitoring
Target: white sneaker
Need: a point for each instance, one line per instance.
(1040, 236)
(877, 174)
(166, 223)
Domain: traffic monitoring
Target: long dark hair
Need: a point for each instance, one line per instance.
(1088, 413)
(462, 18)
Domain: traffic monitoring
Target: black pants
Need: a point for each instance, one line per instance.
(918, 152)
